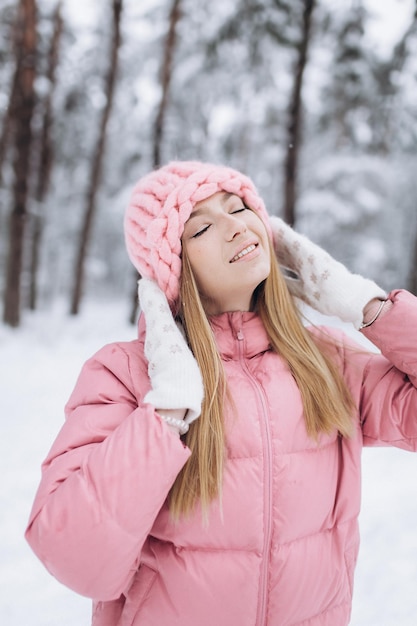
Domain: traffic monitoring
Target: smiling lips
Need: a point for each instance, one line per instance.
(243, 252)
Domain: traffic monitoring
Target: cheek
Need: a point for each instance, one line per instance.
(204, 271)
(199, 260)
(203, 252)
(206, 267)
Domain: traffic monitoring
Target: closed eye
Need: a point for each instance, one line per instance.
(201, 232)
(239, 210)
(205, 229)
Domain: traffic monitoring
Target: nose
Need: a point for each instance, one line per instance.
(234, 226)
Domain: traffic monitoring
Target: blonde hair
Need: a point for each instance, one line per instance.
(326, 399)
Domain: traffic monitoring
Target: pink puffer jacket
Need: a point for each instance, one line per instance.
(282, 549)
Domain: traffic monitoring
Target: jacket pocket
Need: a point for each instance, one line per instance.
(137, 594)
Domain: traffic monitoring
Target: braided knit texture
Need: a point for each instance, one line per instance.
(162, 202)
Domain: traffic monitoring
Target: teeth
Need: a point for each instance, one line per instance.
(243, 253)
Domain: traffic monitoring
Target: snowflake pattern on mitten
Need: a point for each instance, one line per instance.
(323, 283)
(175, 377)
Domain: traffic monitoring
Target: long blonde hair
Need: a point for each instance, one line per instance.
(326, 399)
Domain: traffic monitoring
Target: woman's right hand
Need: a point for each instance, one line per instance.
(173, 371)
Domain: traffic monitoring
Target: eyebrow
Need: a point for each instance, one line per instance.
(224, 198)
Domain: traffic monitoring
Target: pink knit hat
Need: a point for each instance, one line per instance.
(162, 202)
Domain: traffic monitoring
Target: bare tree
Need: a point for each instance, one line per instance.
(45, 157)
(7, 123)
(166, 75)
(413, 280)
(295, 117)
(6, 131)
(22, 108)
(97, 160)
(413, 273)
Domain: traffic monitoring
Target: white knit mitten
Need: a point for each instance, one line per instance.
(324, 283)
(174, 373)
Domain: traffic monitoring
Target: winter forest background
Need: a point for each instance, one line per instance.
(316, 100)
(307, 97)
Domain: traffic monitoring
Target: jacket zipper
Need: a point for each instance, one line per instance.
(266, 436)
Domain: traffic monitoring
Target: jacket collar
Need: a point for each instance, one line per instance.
(239, 334)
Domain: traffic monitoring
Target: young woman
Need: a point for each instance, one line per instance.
(209, 473)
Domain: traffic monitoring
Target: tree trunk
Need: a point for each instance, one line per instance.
(7, 126)
(295, 115)
(166, 74)
(97, 162)
(6, 131)
(412, 286)
(21, 113)
(413, 279)
(135, 299)
(45, 159)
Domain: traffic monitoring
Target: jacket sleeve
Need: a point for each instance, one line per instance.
(104, 480)
(388, 407)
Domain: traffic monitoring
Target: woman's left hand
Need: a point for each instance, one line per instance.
(324, 283)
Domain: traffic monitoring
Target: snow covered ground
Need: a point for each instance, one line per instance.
(38, 367)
